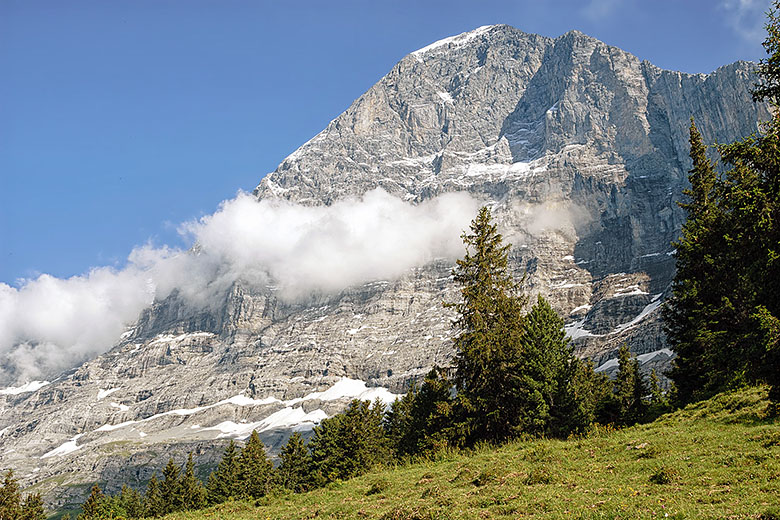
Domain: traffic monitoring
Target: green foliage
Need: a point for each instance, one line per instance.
(95, 507)
(223, 483)
(548, 373)
(193, 494)
(254, 469)
(630, 389)
(768, 87)
(586, 396)
(723, 317)
(295, 465)
(350, 443)
(170, 488)
(429, 416)
(488, 343)
(153, 504)
(32, 507)
(10, 497)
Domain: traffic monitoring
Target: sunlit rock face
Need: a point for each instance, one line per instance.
(579, 148)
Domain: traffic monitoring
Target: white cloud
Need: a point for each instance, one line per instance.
(599, 10)
(746, 17)
(50, 324)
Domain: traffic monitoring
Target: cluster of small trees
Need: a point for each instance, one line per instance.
(723, 320)
(14, 506)
(242, 473)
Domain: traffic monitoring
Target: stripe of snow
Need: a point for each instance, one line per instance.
(32, 386)
(653, 305)
(64, 448)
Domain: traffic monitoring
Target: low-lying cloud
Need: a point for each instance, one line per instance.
(48, 324)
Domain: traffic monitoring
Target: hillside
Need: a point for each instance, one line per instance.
(715, 459)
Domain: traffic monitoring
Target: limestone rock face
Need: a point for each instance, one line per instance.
(579, 148)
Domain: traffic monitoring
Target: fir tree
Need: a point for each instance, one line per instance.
(688, 314)
(397, 419)
(153, 504)
(94, 508)
(10, 497)
(429, 416)
(489, 327)
(193, 494)
(32, 508)
(170, 488)
(350, 443)
(295, 465)
(223, 483)
(253, 468)
(546, 371)
(629, 389)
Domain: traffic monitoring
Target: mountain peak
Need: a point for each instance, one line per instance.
(454, 41)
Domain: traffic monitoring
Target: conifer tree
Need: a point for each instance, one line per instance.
(32, 508)
(546, 371)
(129, 503)
(397, 419)
(350, 443)
(253, 468)
(429, 416)
(688, 315)
(223, 483)
(193, 494)
(629, 388)
(10, 497)
(94, 507)
(170, 488)
(489, 328)
(295, 465)
(153, 504)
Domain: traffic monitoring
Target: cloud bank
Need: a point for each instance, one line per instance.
(746, 17)
(48, 324)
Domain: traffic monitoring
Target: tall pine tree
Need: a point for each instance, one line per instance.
(295, 465)
(254, 469)
(688, 315)
(193, 494)
(489, 333)
(223, 483)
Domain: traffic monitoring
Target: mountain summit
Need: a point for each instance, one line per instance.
(579, 148)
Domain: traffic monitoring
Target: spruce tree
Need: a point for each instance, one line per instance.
(546, 371)
(10, 497)
(193, 494)
(429, 416)
(254, 469)
(153, 504)
(396, 421)
(170, 488)
(223, 483)
(350, 443)
(629, 388)
(129, 503)
(295, 465)
(94, 507)
(688, 315)
(489, 327)
(32, 508)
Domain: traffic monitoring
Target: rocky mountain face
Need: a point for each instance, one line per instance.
(579, 148)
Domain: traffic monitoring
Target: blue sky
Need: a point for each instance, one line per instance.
(120, 120)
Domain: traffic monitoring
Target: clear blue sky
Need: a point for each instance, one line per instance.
(121, 119)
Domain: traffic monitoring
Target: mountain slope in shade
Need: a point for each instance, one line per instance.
(579, 148)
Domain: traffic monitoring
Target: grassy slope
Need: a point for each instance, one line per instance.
(718, 459)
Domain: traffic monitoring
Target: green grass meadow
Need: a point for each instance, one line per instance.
(715, 459)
